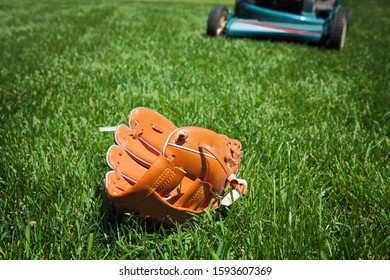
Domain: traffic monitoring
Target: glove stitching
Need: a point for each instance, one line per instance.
(162, 181)
(195, 197)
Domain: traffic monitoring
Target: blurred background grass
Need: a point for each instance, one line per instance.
(314, 124)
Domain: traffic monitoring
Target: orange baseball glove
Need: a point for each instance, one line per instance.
(169, 173)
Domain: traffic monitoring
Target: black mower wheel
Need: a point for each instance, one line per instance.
(338, 31)
(217, 20)
(308, 6)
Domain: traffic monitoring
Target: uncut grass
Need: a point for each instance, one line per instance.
(314, 125)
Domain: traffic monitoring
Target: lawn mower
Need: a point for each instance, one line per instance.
(322, 22)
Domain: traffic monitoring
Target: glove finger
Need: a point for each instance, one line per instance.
(138, 150)
(115, 186)
(153, 127)
(125, 166)
(120, 161)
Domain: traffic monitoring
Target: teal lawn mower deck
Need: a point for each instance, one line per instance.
(322, 22)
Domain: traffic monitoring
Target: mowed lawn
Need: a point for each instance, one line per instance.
(314, 124)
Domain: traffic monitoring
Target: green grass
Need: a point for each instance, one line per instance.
(314, 124)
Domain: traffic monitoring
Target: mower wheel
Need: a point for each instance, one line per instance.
(308, 6)
(348, 14)
(217, 20)
(338, 30)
